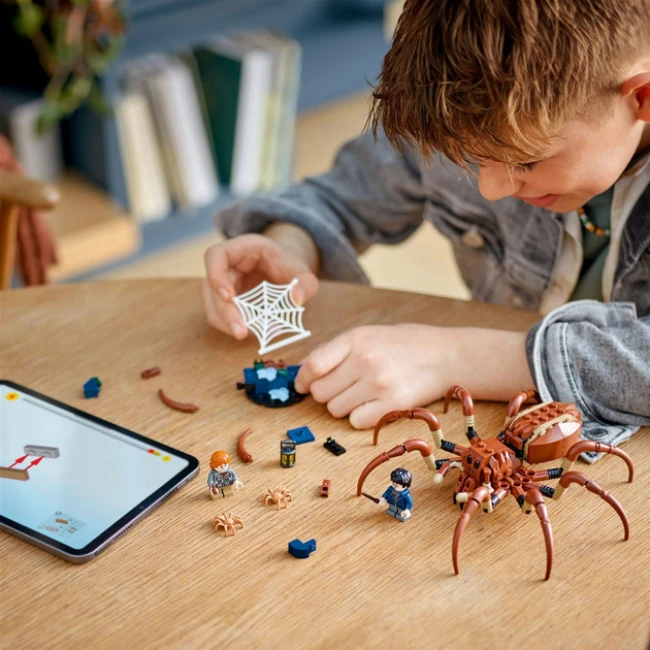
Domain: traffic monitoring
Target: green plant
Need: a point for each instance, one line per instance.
(76, 40)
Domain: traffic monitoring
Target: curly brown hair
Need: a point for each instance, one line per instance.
(493, 80)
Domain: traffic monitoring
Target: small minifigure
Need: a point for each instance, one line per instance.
(397, 496)
(222, 479)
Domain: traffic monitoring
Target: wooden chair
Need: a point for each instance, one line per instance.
(18, 192)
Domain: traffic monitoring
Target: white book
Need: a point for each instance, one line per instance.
(255, 89)
(40, 154)
(177, 111)
(145, 178)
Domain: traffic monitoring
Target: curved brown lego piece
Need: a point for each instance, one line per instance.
(536, 500)
(465, 398)
(475, 500)
(518, 400)
(599, 447)
(411, 414)
(177, 406)
(584, 481)
(241, 450)
(150, 372)
(410, 445)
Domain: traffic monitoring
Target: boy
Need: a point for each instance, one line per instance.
(547, 104)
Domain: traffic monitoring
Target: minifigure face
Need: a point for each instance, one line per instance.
(398, 487)
(222, 468)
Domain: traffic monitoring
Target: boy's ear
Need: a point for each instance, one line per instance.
(639, 85)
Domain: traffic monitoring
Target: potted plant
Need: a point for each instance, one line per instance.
(75, 40)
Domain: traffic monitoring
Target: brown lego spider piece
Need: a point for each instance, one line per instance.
(244, 455)
(279, 495)
(177, 406)
(228, 522)
(493, 468)
(150, 372)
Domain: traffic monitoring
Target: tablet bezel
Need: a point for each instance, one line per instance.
(111, 534)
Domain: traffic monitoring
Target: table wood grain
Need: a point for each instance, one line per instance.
(171, 582)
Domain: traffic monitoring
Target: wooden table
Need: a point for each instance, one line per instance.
(373, 582)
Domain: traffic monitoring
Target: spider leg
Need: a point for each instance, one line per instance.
(475, 500)
(535, 500)
(590, 445)
(584, 481)
(444, 465)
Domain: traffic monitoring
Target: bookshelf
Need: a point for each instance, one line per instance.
(340, 51)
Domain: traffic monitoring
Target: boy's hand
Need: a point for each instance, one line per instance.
(369, 371)
(241, 263)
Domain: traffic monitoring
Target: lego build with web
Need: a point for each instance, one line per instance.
(271, 384)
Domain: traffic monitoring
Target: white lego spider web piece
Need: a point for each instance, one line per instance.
(269, 311)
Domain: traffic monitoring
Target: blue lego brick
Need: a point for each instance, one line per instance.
(300, 549)
(92, 388)
(301, 435)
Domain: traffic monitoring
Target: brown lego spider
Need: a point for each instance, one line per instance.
(492, 468)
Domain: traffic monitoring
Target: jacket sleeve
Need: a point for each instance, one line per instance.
(373, 194)
(596, 355)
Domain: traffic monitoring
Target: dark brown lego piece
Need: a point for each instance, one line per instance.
(178, 406)
(241, 449)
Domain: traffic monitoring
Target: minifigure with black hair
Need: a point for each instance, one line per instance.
(398, 495)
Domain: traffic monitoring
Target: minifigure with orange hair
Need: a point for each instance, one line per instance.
(221, 478)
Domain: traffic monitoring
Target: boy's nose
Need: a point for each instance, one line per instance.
(495, 182)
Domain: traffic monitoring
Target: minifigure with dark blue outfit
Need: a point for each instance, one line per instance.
(398, 496)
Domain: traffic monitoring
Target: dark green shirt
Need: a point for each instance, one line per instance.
(595, 247)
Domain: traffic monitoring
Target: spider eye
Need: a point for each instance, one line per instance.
(477, 464)
(469, 459)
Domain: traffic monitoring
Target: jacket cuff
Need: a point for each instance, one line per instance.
(550, 363)
(338, 259)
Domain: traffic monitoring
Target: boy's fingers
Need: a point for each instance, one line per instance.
(306, 288)
(349, 400)
(368, 414)
(322, 361)
(217, 266)
(221, 315)
(330, 387)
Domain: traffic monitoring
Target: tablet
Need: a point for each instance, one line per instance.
(71, 483)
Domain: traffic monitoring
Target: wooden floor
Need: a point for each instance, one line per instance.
(424, 263)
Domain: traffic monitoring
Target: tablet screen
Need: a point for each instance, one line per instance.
(70, 476)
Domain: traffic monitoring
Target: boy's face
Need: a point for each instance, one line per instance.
(585, 159)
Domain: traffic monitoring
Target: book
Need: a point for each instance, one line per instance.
(149, 197)
(40, 155)
(178, 115)
(236, 79)
(282, 105)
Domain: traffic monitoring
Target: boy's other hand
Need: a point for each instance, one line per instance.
(241, 263)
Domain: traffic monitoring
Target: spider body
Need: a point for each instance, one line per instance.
(493, 468)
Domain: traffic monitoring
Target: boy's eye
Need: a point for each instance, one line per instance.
(526, 167)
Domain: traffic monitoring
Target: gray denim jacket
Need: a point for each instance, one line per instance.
(508, 252)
